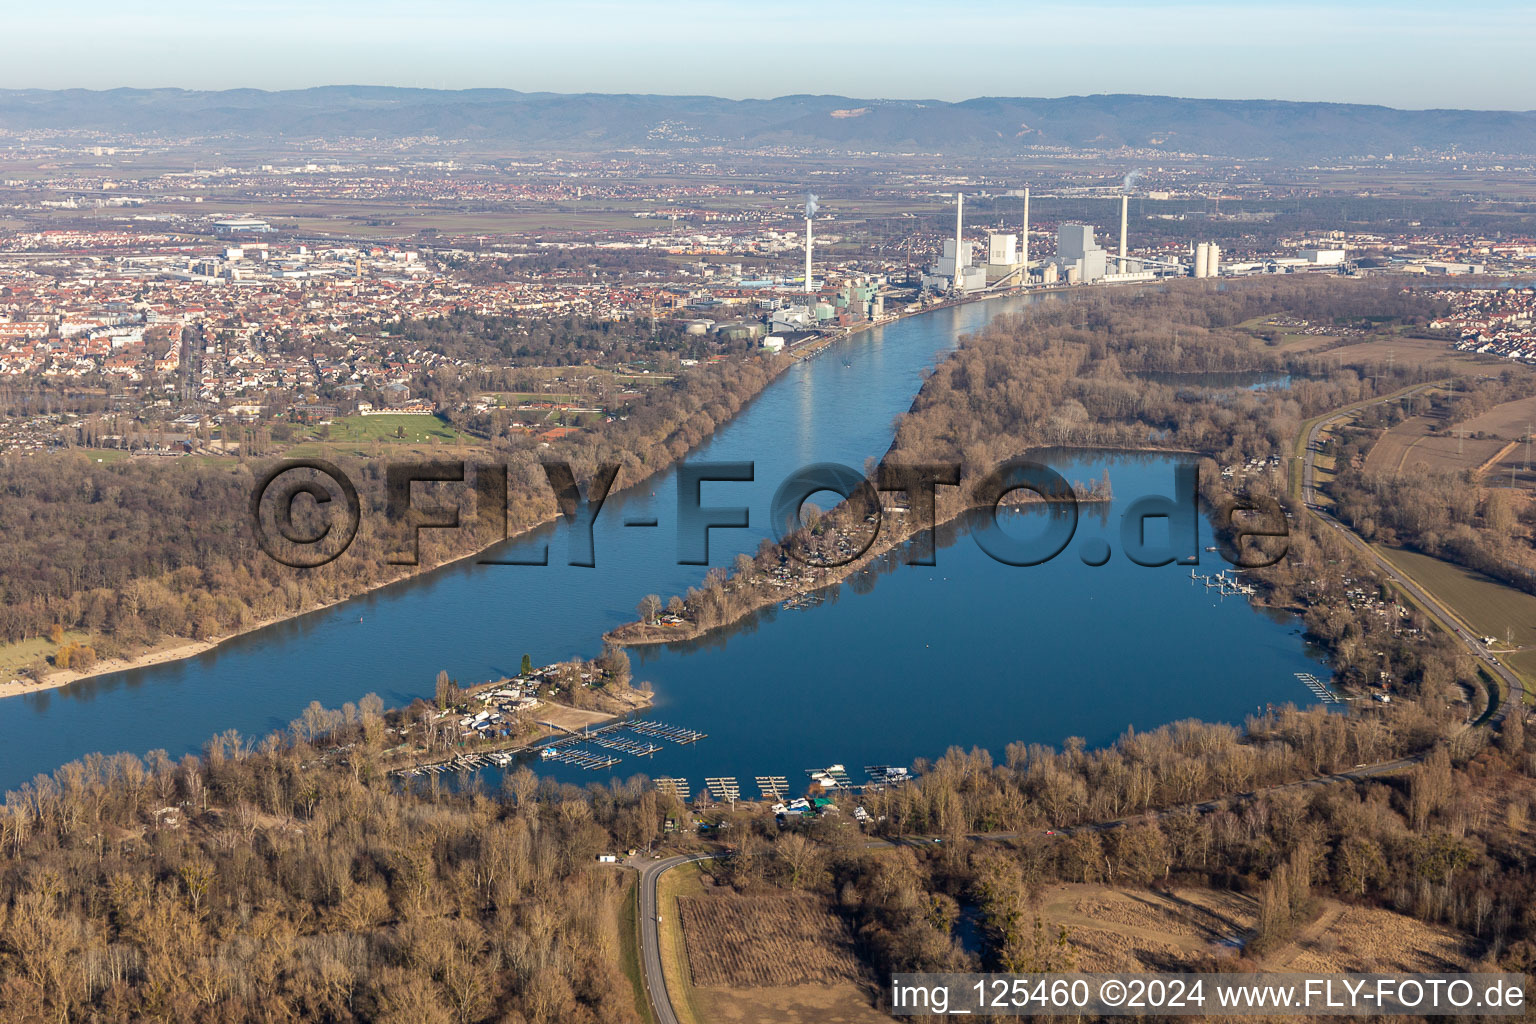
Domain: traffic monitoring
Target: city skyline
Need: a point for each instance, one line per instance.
(1374, 53)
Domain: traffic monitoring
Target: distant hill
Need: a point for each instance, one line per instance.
(1248, 129)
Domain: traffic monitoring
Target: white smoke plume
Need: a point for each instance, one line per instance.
(1130, 180)
(810, 206)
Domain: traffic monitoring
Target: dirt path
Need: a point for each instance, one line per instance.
(1490, 463)
(1281, 958)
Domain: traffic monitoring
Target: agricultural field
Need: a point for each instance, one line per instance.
(384, 219)
(1524, 665)
(1509, 421)
(800, 968)
(1413, 447)
(1488, 607)
(1514, 467)
(1413, 352)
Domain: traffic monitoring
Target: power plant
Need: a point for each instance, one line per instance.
(1079, 258)
(845, 301)
(954, 271)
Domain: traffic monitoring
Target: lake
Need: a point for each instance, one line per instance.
(968, 652)
(902, 661)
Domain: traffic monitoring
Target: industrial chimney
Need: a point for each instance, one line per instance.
(1024, 239)
(810, 211)
(959, 216)
(807, 254)
(1124, 209)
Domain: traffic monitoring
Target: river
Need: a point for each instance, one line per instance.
(966, 652)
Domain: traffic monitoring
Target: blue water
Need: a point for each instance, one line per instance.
(1238, 380)
(903, 661)
(969, 652)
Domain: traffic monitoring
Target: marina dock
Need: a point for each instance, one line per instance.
(725, 788)
(616, 740)
(677, 787)
(663, 731)
(1318, 687)
(580, 757)
(635, 748)
(772, 787)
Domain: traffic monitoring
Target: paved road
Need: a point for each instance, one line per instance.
(1514, 688)
(650, 935)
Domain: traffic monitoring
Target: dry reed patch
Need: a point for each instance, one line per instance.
(762, 941)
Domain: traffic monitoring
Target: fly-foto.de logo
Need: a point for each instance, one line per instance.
(306, 513)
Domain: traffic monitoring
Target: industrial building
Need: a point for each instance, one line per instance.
(241, 225)
(1079, 259)
(954, 270)
(1207, 259)
(1324, 257)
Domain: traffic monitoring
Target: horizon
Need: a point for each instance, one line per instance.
(765, 98)
(1373, 53)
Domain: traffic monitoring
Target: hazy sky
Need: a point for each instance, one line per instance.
(1406, 54)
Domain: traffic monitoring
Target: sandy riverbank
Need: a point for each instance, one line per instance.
(154, 656)
(180, 648)
(176, 649)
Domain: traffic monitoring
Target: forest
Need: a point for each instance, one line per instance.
(132, 552)
(291, 880)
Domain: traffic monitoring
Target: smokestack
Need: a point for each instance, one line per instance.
(959, 216)
(1025, 238)
(810, 212)
(1124, 205)
(808, 255)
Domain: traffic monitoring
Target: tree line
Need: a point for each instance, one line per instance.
(136, 551)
